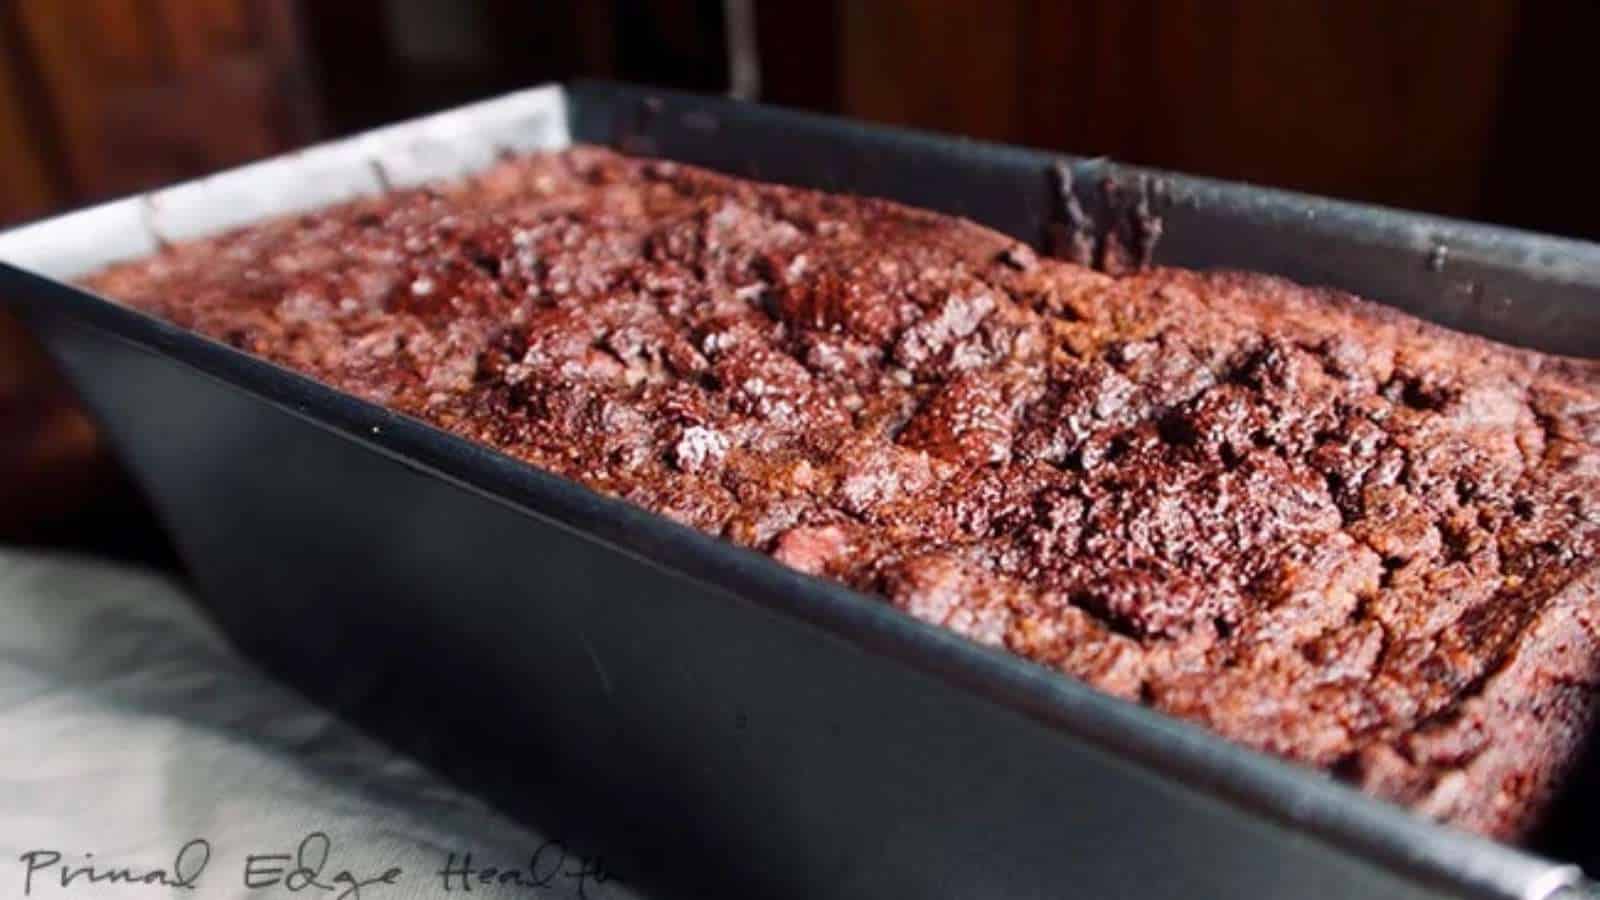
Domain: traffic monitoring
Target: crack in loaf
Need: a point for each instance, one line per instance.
(1315, 525)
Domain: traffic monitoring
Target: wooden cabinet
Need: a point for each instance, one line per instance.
(1466, 108)
(1367, 99)
(104, 97)
(100, 98)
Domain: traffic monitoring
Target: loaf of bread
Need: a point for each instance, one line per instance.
(1313, 524)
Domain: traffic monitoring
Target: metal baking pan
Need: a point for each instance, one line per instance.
(712, 722)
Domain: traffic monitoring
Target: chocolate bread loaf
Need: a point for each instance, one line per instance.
(1311, 523)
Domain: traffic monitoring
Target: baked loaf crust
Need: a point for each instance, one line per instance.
(1315, 525)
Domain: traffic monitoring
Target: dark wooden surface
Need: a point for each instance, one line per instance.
(1374, 100)
(1448, 108)
(28, 181)
(100, 98)
(1452, 108)
(111, 96)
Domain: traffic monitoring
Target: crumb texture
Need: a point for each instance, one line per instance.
(1312, 524)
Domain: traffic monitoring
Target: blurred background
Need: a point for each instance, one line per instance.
(1473, 108)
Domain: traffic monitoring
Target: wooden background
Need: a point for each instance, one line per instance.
(1475, 108)
(100, 98)
(1467, 107)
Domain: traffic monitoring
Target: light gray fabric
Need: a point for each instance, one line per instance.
(129, 727)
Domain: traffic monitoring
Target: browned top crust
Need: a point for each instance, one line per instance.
(1313, 524)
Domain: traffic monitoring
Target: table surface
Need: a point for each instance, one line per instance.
(131, 732)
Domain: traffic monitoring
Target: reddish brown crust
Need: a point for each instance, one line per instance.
(1319, 526)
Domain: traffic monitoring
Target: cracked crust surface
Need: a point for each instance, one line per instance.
(1313, 524)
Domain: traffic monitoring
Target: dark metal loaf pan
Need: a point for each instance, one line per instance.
(715, 723)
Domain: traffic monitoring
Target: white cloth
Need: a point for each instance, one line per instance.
(129, 728)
